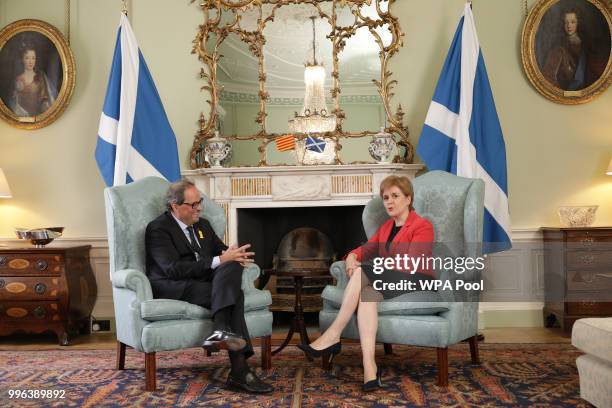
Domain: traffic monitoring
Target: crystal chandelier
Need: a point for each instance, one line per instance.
(314, 117)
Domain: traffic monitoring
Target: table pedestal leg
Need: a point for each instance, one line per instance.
(298, 324)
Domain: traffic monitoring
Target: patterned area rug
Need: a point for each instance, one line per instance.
(510, 375)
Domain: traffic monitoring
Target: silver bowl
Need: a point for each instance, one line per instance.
(39, 237)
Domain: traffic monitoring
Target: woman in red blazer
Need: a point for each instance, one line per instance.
(404, 236)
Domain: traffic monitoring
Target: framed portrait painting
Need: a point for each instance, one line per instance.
(566, 49)
(37, 74)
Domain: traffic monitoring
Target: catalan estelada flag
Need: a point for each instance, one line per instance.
(285, 143)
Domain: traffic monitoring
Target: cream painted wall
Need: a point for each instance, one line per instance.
(557, 154)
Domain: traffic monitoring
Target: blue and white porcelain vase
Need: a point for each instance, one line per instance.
(383, 147)
(217, 149)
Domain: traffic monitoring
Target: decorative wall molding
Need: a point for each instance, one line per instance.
(513, 279)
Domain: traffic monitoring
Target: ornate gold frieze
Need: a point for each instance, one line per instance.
(251, 186)
(352, 184)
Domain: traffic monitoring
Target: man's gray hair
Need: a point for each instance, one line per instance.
(176, 192)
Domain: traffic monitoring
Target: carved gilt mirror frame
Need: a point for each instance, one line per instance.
(213, 32)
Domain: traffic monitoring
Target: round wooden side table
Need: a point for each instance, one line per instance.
(298, 325)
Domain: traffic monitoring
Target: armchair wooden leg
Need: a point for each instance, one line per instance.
(474, 349)
(150, 371)
(388, 348)
(442, 366)
(120, 356)
(266, 352)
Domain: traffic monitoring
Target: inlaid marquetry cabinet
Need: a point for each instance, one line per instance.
(577, 274)
(42, 289)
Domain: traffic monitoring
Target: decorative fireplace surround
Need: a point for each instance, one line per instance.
(292, 186)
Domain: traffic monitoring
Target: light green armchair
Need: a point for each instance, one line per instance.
(454, 205)
(151, 325)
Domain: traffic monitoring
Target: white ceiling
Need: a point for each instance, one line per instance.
(289, 46)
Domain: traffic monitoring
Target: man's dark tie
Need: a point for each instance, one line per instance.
(194, 242)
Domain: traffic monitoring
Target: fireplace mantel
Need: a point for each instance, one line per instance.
(293, 186)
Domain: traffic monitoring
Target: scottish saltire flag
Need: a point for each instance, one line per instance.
(135, 139)
(462, 133)
(315, 144)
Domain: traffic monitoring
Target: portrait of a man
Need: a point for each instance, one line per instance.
(572, 44)
(30, 74)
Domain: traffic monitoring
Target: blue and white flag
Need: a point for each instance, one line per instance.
(135, 139)
(315, 144)
(462, 133)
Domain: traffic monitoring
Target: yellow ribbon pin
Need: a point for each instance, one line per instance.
(200, 234)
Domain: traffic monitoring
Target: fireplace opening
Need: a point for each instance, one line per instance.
(265, 229)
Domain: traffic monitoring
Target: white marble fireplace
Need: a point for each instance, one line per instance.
(292, 186)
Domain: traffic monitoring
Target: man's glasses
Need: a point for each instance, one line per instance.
(195, 204)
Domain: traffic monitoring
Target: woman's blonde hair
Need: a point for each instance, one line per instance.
(401, 182)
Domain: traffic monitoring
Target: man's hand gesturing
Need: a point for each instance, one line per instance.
(238, 254)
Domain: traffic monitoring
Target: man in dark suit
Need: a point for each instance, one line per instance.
(187, 261)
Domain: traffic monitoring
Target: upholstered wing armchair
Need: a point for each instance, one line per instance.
(151, 325)
(454, 205)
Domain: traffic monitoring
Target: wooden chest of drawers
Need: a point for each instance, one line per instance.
(577, 274)
(43, 289)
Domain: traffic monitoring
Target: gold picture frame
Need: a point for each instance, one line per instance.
(37, 74)
(213, 31)
(566, 49)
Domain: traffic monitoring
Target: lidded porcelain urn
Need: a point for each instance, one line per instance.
(217, 149)
(383, 147)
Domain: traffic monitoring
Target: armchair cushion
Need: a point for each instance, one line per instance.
(155, 310)
(168, 309)
(415, 303)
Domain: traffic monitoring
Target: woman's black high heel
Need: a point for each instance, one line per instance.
(327, 354)
(374, 384)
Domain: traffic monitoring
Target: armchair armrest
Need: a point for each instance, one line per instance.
(254, 298)
(338, 271)
(250, 273)
(135, 281)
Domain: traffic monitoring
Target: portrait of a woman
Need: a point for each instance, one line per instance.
(33, 92)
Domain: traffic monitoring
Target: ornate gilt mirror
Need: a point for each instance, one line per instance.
(254, 54)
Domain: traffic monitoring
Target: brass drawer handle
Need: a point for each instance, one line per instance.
(39, 312)
(41, 265)
(587, 241)
(1, 283)
(587, 259)
(40, 288)
(2, 260)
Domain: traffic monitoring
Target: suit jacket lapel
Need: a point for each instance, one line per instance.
(177, 232)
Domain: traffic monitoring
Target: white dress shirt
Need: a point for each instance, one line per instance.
(216, 261)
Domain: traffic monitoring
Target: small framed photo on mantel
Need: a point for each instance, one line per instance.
(37, 74)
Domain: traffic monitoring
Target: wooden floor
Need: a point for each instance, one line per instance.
(107, 340)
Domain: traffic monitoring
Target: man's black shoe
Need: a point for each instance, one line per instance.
(250, 383)
(224, 340)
